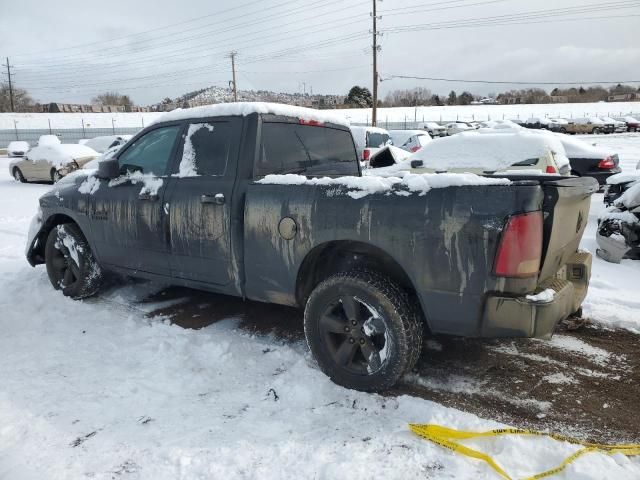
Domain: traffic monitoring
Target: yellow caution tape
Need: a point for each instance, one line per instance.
(445, 437)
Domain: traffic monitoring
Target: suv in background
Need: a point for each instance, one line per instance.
(369, 140)
(435, 129)
(633, 124)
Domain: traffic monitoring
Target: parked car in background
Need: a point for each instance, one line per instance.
(435, 129)
(589, 160)
(617, 125)
(104, 143)
(409, 140)
(558, 125)
(456, 127)
(473, 152)
(633, 124)
(17, 148)
(537, 123)
(50, 160)
(618, 184)
(586, 125)
(369, 140)
(618, 233)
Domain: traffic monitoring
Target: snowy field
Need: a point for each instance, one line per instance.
(9, 121)
(105, 388)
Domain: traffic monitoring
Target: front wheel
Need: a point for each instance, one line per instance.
(17, 175)
(363, 330)
(71, 266)
(595, 131)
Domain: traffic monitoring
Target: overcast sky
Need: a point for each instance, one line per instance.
(69, 51)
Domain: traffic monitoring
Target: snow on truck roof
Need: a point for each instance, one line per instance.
(247, 108)
(491, 152)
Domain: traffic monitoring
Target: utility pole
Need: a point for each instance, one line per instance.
(8, 65)
(233, 70)
(374, 114)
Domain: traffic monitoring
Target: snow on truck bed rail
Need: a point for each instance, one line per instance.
(404, 184)
(247, 108)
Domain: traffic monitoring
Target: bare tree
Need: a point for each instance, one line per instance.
(112, 98)
(21, 99)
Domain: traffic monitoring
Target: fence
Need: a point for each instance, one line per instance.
(66, 135)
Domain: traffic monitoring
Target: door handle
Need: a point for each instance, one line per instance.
(148, 196)
(217, 199)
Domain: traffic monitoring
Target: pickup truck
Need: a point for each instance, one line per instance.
(268, 202)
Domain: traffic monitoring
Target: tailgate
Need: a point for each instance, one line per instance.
(566, 212)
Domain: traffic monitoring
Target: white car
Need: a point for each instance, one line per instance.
(435, 129)
(506, 153)
(369, 140)
(456, 127)
(618, 126)
(409, 140)
(50, 160)
(104, 143)
(17, 148)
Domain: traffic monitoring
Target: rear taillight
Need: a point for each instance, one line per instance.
(551, 169)
(607, 163)
(520, 249)
(366, 153)
(414, 149)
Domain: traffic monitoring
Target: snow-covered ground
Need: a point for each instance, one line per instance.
(98, 389)
(398, 114)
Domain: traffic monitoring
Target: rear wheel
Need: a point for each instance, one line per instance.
(363, 330)
(17, 174)
(563, 130)
(71, 266)
(595, 131)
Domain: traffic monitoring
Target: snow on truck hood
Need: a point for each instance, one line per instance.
(490, 152)
(247, 108)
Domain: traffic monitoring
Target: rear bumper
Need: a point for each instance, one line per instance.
(601, 176)
(520, 317)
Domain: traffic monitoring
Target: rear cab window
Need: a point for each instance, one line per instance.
(377, 139)
(309, 150)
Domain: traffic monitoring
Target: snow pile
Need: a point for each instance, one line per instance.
(623, 177)
(247, 108)
(489, 152)
(545, 296)
(60, 154)
(406, 184)
(630, 198)
(188, 161)
(150, 183)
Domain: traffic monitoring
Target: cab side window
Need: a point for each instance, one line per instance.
(206, 149)
(306, 150)
(151, 153)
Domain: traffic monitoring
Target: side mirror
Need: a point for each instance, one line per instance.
(416, 163)
(108, 169)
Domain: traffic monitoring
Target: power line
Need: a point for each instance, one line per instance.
(501, 82)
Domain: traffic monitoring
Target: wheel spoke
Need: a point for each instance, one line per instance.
(374, 326)
(74, 269)
(351, 307)
(344, 354)
(58, 262)
(332, 323)
(372, 356)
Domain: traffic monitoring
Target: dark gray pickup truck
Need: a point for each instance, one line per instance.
(201, 199)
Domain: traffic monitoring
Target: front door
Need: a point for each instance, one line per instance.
(199, 201)
(128, 217)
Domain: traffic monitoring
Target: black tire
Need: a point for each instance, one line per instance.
(55, 176)
(595, 131)
(70, 264)
(17, 174)
(363, 330)
(563, 130)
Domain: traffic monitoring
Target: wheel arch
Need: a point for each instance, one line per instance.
(35, 254)
(336, 256)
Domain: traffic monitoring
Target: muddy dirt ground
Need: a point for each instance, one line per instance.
(585, 382)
